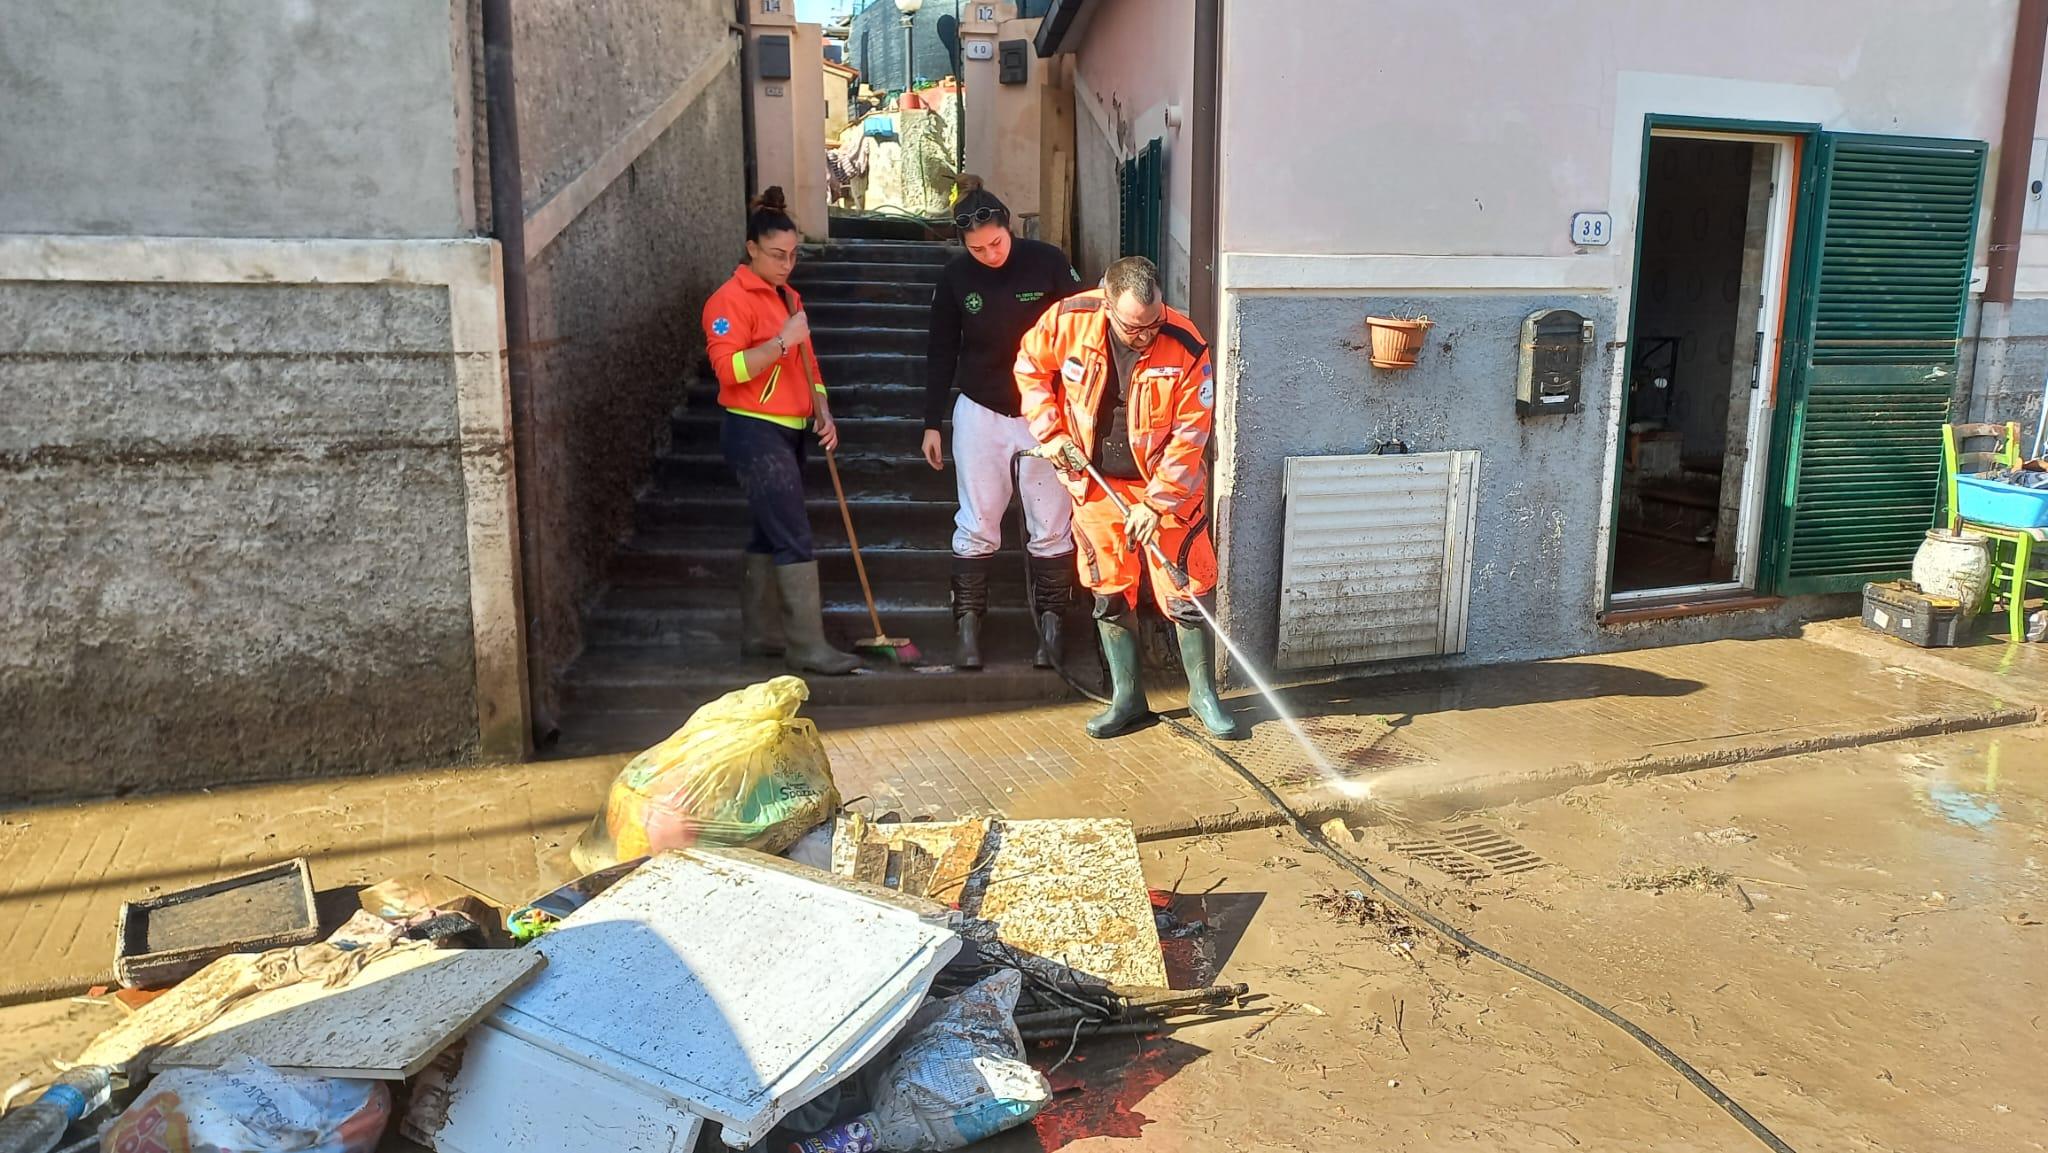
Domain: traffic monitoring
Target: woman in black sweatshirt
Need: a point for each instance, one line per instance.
(986, 300)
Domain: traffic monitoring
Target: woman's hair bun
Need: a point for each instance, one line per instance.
(967, 183)
(769, 200)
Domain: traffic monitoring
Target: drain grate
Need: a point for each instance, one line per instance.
(1443, 858)
(1498, 850)
(1469, 853)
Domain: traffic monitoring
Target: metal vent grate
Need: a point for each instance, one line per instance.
(1376, 560)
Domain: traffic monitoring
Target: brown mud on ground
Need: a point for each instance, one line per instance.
(1853, 944)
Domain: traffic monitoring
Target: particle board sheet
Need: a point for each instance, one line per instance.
(386, 1024)
(1070, 891)
(728, 984)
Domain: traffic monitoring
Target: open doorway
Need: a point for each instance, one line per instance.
(1703, 344)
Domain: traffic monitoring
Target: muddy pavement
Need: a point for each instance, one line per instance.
(1852, 944)
(1376, 1036)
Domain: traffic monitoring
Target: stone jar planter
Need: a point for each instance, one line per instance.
(1955, 565)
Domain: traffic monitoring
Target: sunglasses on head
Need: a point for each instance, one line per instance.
(979, 216)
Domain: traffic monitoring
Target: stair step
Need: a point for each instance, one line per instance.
(901, 368)
(720, 600)
(857, 434)
(844, 341)
(860, 226)
(866, 477)
(860, 398)
(836, 314)
(819, 292)
(1684, 496)
(656, 558)
(905, 368)
(876, 272)
(877, 252)
(710, 630)
(726, 521)
(638, 680)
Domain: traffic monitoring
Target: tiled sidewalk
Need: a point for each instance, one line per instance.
(1443, 738)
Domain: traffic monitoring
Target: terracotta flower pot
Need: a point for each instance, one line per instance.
(1397, 343)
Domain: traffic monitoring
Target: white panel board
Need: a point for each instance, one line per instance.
(732, 985)
(508, 1087)
(1376, 557)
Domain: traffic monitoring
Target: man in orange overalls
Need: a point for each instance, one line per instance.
(1117, 378)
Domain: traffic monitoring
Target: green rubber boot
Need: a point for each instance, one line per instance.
(760, 608)
(1128, 708)
(803, 623)
(1198, 660)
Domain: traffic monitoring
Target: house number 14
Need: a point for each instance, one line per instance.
(1592, 228)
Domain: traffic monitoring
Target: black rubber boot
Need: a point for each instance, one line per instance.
(1198, 660)
(967, 648)
(760, 607)
(970, 602)
(1052, 594)
(1051, 639)
(803, 620)
(1128, 708)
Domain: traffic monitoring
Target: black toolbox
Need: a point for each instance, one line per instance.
(1900, 609)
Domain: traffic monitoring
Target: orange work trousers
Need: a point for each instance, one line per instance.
(1110, 566)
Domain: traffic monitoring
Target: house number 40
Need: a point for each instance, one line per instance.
(1592, 228)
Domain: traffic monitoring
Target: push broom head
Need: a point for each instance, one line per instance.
(897, 650)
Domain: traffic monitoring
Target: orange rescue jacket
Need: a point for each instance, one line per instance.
(745, 313)
(1063, 367)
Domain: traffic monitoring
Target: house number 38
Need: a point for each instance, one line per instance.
(1592, 228)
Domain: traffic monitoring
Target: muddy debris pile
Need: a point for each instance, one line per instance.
(768, 977)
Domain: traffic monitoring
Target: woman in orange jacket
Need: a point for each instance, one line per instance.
(759, 342)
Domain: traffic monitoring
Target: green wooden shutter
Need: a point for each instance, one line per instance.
(1892, 241)
(1144, 200)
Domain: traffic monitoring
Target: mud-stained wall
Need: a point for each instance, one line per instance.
(616, 298)
(232, 535)
(230, 118)
(1304, 388)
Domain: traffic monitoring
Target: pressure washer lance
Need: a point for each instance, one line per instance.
(1073, 461)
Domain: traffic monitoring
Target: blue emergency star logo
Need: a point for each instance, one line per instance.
(721, 326)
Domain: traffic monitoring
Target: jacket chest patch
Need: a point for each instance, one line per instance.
(1071, 371)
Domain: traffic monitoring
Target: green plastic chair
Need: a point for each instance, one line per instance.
(2013, 550)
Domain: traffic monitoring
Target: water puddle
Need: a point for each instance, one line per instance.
(1961, 806)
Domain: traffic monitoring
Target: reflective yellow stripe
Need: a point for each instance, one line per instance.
(784, 421)
(739, 367)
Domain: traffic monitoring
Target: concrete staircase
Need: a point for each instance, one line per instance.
(664, 637)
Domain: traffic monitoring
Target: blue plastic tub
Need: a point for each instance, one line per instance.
(2007, 505)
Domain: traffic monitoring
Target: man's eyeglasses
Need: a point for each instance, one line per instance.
(1135, 330)
(979, 216)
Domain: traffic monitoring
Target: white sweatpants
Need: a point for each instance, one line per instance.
(983, 443)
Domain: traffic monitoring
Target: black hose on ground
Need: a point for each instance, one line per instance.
(1448, 931)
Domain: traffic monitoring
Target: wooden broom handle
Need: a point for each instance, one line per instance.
(860, 566)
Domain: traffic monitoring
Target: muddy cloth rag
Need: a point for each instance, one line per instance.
(2019, 477)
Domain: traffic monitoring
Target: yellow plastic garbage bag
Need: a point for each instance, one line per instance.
(744, 771)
